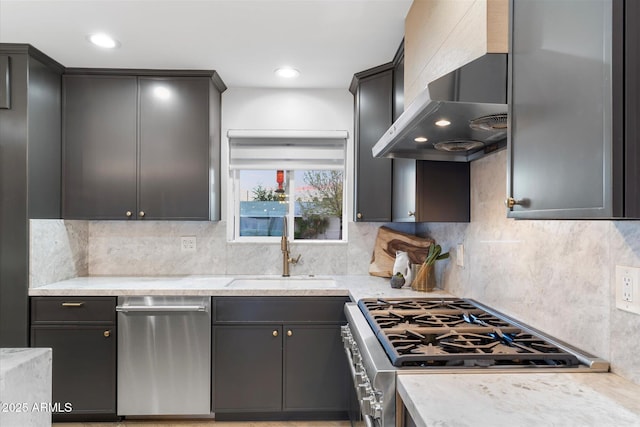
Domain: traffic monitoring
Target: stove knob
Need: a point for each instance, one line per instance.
(364, 387)
(377, 410)
(367, 405)
(345, 332)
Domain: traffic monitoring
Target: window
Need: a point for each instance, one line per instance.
(301, 179)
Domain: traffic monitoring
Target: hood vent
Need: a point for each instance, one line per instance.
(462, 115)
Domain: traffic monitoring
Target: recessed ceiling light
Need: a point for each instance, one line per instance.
(443, 123)
(420, 139)
(103, 40)
(287, 72)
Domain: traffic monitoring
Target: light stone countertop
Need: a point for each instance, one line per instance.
(14, 358)
(521, 399)
(356, 286)
(562, 399)
(25, 386)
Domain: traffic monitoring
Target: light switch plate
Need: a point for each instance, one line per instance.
(628, 288)
(460, 255)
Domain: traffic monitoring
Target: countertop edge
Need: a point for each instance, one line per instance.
(587, 399)
(354, 286)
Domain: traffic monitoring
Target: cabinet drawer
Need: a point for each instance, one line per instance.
(279, 309)
(73, 309)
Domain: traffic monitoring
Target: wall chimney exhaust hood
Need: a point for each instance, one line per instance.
(458, 117)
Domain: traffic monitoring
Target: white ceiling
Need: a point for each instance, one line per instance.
(244, 40)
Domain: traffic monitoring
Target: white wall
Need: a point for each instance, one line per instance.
(286, 109)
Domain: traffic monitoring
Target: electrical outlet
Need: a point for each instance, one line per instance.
(628, 289)
(460, 255)
(188, 244)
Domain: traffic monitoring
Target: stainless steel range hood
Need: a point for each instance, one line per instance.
(473, 99)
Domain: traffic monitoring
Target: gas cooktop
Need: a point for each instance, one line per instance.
(452, 332)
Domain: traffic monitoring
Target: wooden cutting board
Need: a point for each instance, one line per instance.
(389, 241)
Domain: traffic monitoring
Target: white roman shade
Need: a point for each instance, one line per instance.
(287, 149)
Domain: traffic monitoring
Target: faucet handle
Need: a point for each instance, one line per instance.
(295, 260)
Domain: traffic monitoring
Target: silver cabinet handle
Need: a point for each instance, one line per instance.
(160, 308)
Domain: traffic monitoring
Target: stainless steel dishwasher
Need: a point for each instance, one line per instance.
(164, 355)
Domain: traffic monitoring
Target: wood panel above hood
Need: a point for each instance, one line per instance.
(443, 35)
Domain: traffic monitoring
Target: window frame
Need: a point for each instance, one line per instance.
(290, 182)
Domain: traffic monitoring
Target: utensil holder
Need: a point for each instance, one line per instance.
(425, 280)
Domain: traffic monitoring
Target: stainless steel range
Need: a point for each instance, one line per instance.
(386, 337)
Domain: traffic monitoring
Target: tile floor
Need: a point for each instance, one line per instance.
(207, 423)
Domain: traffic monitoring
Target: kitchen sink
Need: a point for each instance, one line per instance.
(282, 283)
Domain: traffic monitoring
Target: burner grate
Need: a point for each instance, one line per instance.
(455, 332)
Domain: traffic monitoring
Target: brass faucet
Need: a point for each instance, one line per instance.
(286, 255)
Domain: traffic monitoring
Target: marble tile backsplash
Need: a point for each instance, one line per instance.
(65, 249)
(57, 250)
(556, 275)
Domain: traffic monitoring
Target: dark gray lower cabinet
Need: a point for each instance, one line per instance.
(249, 368)
(313, 356)
(279, 358)
(82, 334)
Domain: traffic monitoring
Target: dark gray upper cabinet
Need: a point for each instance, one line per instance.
(373, 113)
(174, 148)
(140, 146)
(573, 109)
(100, 153)
(30, 115)
(398, 82)
(403, 197)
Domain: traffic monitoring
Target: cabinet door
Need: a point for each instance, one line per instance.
(373, 176)
(174, 148)
(99, 138)
(247, 368)
(404, 190)
(443, 191)
(561, 144)
(84, 367)
(315, 377)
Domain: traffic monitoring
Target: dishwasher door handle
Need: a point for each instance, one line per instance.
(159, 308)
